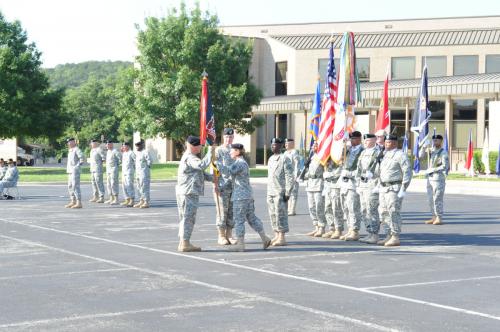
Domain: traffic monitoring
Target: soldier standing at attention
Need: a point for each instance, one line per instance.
(436, 179)
(3, 168)
(75, 160)
(128, 170)
(395, 177)
(279, 186)
(112, 162)
(224, 221)
(333, 206)
(349, 197)
(292, 154)
(96, 176)
(315, 199)
(142, 175)
(190, 185)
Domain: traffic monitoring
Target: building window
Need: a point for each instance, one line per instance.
(464, 119)
(487, 113)
(465, 64)
(323, 66)
(363, 65)
(436, 121)
(436, 65)
(403, 68)
(493, 63)
(280, 78)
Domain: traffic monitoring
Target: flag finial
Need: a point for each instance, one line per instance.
(204, 74)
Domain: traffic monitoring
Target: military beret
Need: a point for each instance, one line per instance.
(125, 144)
(228, 131)
(276, 140)
(237, 146)
(108, 141)
(391, 137)
(10, 161)
(94, 141)
(141, 142)
(69, 139)
(437, 136)
(355, 134)
(289, 140)
(365, 136)
(193, 140)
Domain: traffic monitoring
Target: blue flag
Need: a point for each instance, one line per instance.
(416, 153)
(446, 147)
(405, 144)
(420, 119)
(316, 115)
(498, 162)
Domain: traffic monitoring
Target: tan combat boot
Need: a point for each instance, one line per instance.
(373, 239)
(393, 241)
(437, 221)
(110, 199)
(138, 204)
(93, 199)
(70, 204)
(114, 200)
(382, 242)
(329, 234)
(229, 235)
(430, 221)
(266, 241)
(100, 200)
(275, 238)
(77, 205)
(320, 232)
(238, 246)
(186, 246)
(130, 202)
(144, 205)
(343, 237)
(280, 241)
(353, 236)
(311, 233)
(222, 240)
(337, 234)
(125, 202)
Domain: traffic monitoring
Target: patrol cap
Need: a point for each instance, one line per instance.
(365, 136)
(69, 139)
(237, 146)
(228, 131)
(391, 137)
(437, 136)
(289, 140)
(276, 140)
(355, 134)
(193, 140)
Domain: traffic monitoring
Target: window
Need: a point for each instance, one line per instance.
(436, 65)
(465, 64)
(436, 121)
(280, 75)
(464, 119)
(322, 67)
(493, 63)
(363, 65)
(487, 112)
(403, 68)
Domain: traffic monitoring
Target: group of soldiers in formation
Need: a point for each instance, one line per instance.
(135, 169)
(367, 187)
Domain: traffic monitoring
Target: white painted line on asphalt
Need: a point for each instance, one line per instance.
(179, 278)
(41, 275)
(333, 254)
(279, 274)
(433, 282)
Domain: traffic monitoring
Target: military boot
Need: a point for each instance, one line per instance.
(430, 221)
(343, 237)
(328, 235)
(365, 238)
(311, 233)
(93, 199)
(275, 238)
(144, 205)
(353, 236)
(138, 204)
(280, 241)
(393, 241)
(110, 199)
(229, 235)
(222, 240)
(382, 242)
(100, 200)
(114, 200)
(70, 204)
(130, 202)
(186, 246)
(266, 241)
(337, 234)
(320, 232)
(238, 246)
(77, 205)
(125, 202)
(437, 221)
(373, 239)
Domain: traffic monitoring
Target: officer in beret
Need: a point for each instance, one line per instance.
(142, 175)
(294, 156)
(113, 158)
(190, 185)
(96, 171)
(75, 160)
(128, 172)
(436, 179)
(279, 187)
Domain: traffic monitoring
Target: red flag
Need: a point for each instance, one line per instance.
(203, 109)
(383, 118)
(470, 152)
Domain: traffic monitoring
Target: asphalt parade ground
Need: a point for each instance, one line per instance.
(109, 268)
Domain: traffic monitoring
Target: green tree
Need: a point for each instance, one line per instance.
(28, 107)
(174, 52)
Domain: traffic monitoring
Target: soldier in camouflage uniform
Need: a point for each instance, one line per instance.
(142, 175)
(314, 189)
(394, 179)
(367, 175)
(96, 176)
(349, 197)
(112, 162)
(128, 170)
(224, 221)
(436, 180)
(75, 160)
(279, 187)
(190, 185)
(333, 206)
(242, 198)
(292, 154)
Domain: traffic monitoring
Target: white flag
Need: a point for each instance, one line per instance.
(485, 157)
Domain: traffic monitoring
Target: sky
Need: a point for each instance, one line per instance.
(72, 31)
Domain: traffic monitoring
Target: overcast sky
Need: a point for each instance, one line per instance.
(69, 31)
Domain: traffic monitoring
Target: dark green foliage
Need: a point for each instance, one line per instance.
(478, 164)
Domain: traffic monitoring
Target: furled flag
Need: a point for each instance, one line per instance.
(420, 119)
(416, 154)
(485, 157)
(207, 119)
(315, 115)
(405, 144)
(498, 161)
(446, 147)
(384, 115)
(325, 137)
(469, 162)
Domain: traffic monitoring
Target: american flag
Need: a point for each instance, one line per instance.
(326, 125)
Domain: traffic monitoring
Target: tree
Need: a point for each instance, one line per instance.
(28, 107)
(174, 52)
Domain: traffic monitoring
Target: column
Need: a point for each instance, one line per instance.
(481, 116)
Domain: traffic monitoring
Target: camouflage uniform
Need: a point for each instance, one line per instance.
(294, 157)
(395, 172)
(436, 180)
(112, 161)
(367, 173)
(314, 189)
(75, 160)
(190, 185)
(279, 183)
(96, 176)
(223, 161)
(128, 170)
(143, 174)
(333, 206)
(3, 170)
(10, 178)
(349, 197)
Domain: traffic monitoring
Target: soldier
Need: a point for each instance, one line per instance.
(367, 175)
(96, 178)
(190, 185)
(224, 221)
(380, 139)
(333, 206)
(142, 175)
(314, 189)
(75, 160)
(436, 179)
(242, 198)
(112, 162)
(394, 179)
(292, 154)
(3, 168)
(128, 170)
(349, 196)
(279, 187)
(10, 177)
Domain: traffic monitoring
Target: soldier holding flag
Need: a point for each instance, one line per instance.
(436, 179)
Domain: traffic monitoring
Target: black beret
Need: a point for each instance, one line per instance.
(355, 134)
(141, 142)
(237, 146)
(228, 131)
(126, 144)
(391, 137)
(365, 136)
(193, 140)
(94, 141)
(108, 141)
(69, 139)
(289, 140)
(437, 137)
(10, 161)
(276, 140)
